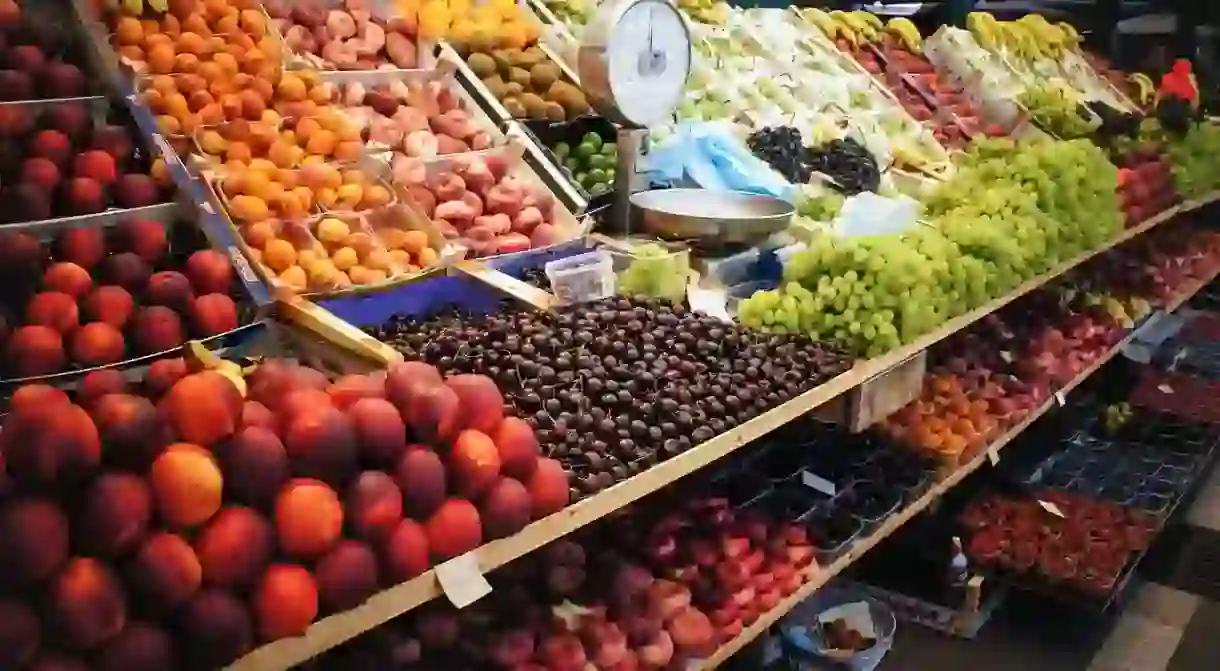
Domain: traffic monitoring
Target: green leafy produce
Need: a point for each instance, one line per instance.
(590, 162)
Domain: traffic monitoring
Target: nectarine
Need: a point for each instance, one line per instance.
(480, 404)
(474, 462)
(322, 443)
(404, 380)
(141, 646)
(373, 506)
(548, 487)
(455, 528)
(131, 429)
(285, 602)
(235, 547)
(186, 485)
(20, 634)
(114, 515)
(346, 576)
(518, 447)
(45, 444)
(97, 384)
(380, 428)
(505, 509)
(308, 518)
(86, 603)
(405, 553)
(165, 571)
(255, 466)
(203, 407)
(216, 629)
(421, 477)
(33, 541)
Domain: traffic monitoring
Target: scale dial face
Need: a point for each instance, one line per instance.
(636, 62)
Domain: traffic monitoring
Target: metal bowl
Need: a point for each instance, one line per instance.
(710, 219)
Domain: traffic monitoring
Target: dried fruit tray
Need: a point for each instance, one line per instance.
(151, 309)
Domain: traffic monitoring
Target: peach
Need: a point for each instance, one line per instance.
(403, 381)
(127, 270)
(33, 541)
(97, 344)
(297, 402)
(98, 384)
(86, 603)
(165, 571)
(156, 329)
(255, 466)
(203, 407)
(54, 310)
(213, 314)
(285, 602)
(518, 447)
(347, 576)
(254, 413)
(453, 529)
(30, 396)
(186, 485)
(548, 487)
(474, 462)
(162, 375)
(109, 304)
(405, 553)
(34, 350)
(351, 388)
(432, 414)
(20, 632)
(48, 443)
(114, 515)
(505, 509)
(480, 405)
(131, 429)
(216, 629)
(144, 237)
(308, 518)
(322, 443)
(67, 278)
(380, 429)
(139, 647)
(210, 272)
(85, 247)
(171, 289)
(373, 506)
(235, 547)
(421, 477)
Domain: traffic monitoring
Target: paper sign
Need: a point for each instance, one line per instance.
(1165, 389)
(462, 581)
(993, 454)
(1060, 399)
(207, 207)
(711, 301)
(868, 214)
(817, 483)
(1052, 509)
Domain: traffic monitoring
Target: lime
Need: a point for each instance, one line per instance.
(573, 164)
(562, 150)
(593, 139)
(610, 149)
(582, 178)
(585, 150)
(600, 161)
(597, 175)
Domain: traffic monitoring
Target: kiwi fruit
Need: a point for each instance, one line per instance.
(531, 57)
(514, 107)
(543, 75)
(535, 106)
(521, 76)
(482, 65)
(496, 86)
(503, 65)
(482, 41)
(572, 99)
(555, 112)
(513, 89)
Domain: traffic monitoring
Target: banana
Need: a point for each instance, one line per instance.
(1072, 36)
(1145, 88)
(844, 30)
(984, 28)
(858, 25)
(133, 7)
(871, 19)
(821, 20)
(159, 6)
(906, 32)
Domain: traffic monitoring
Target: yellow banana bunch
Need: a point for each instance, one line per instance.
(984, 28)
(906, 33)
(1071, 35)
(1049, 38)
(821, 20)
(871, 19)
(1145, 88)
(862, 29)
(132, 7)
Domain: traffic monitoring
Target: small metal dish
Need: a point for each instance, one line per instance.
(710, 219)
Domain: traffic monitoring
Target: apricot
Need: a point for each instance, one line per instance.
(33, 541)
(346, 576)
(505, 509)
(405, 554)
(285, 602)
(308, 518)
(420, 475)
(20, 634)
(548, 487)
(186, 485)
(114, 515)
(203, 407)
(474, 462)
(235, 547)
(97, 384)
(216, 629)
(48, 443)
(86, 603)
(323, 443)
(139, 647)
(517, 446)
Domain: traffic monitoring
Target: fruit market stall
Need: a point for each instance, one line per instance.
(513, 400)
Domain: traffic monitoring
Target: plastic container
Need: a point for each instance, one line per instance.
(803, 649)
(581, 278)
(651, 268)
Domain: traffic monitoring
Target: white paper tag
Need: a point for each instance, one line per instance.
(1060, 399)
(711, 301)
(817, 483)
(993, 454)
(207, 207)
(868, 214)
(1164, 389)
(1052, 509)
(462, 581)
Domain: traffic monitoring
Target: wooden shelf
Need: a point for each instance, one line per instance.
(388, 604)
(936, 492)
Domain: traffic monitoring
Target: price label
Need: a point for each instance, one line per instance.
(817, 483)
(710, 301)
(207, 207)
(1052, 509)
(1164, 389)
(993, 454)
(462, 581)
(243, 267)
(1059, 399)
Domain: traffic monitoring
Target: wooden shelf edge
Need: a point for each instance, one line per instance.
(390, 603)
(938, 490)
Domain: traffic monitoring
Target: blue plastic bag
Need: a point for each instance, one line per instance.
(709, 156)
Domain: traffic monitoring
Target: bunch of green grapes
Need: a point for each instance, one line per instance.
(1192, 157)
(1056, 110)
(824, 206)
